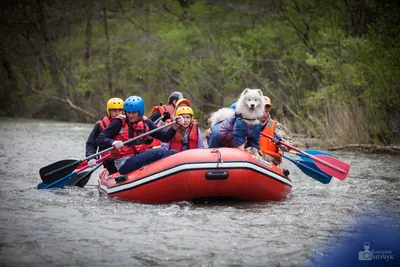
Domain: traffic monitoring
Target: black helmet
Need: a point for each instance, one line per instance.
(174, 96)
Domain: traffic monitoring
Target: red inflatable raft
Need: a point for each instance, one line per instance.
(199, 173)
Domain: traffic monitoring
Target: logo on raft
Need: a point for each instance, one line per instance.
(264, 162)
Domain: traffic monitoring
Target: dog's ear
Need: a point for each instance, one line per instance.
(245, 91)
(260, 92)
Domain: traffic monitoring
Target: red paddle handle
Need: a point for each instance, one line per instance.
(308, 155)
(97, 162)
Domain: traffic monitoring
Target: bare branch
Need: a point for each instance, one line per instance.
(272, 93)
(129, 19)
(64, 100)
(192, 96)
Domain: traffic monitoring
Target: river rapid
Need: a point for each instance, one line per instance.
(77, 227)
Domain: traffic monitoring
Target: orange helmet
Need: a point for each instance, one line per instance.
(181, 101)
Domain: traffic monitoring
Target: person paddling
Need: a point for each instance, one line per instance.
(167, 111)
(134, 156)
(188, 136)
(270, 148)
(114, 108)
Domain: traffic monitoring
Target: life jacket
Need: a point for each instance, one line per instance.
(155, 143)
(104, 122)
(162, 109)
(266, 145)
(176, 142)
(127, 132)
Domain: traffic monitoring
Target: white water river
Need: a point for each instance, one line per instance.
(77, 227)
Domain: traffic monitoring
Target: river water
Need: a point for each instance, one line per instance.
(77, 227)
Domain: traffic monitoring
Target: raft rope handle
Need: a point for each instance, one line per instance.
(219, 156)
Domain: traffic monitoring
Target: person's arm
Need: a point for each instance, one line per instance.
(200, 143)
(254, 139)
(284, 137)
(155, 115)
(239, 132)
(162, 135)
(91, 144)
(106, 137)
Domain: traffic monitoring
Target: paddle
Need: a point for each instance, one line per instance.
(53, 172)
(160, 118)
(327, 164)
(311, 152)
(62, 168)
(311, 170)
(60, 183)
(82, 178)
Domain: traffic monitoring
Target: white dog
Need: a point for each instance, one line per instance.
(250, 106)
(232, 128)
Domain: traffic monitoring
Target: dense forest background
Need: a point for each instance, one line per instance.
(331, 68)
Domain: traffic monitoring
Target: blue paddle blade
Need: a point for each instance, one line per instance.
(45, 186)
(58, 184)
(41, 186)
(311, 170)
(312, 153)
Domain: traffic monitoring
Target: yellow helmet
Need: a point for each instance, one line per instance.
(114, 103)
(184, 110)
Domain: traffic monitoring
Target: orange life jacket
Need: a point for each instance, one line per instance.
(129, 131)
(176, 142)
(266, 145)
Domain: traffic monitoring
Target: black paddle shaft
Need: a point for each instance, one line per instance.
(82, 178)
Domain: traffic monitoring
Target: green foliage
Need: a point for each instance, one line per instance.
(323, 65)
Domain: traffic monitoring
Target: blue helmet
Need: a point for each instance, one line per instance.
(233, 106)
(134, 104)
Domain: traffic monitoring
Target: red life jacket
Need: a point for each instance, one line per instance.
(129, 131)
(104, 122)
(164, 108)
(177, 144)
(156, 143)
(266, 145)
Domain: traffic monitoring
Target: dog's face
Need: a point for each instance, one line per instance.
(252, 98)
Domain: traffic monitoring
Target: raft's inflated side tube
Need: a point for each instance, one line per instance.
(199, 173)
